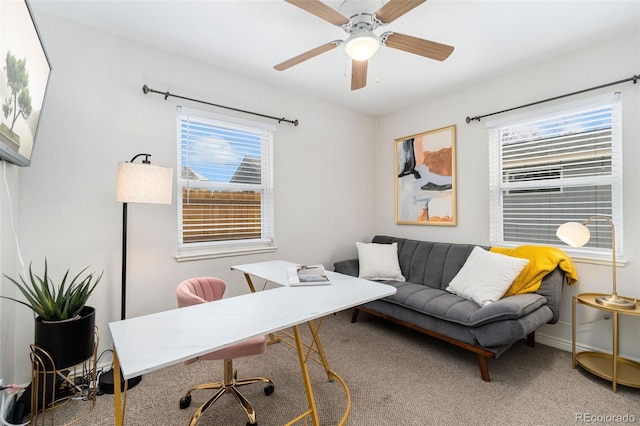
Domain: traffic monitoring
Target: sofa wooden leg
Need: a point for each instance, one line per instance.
(354, 315)
(484, 369)
(531, 339)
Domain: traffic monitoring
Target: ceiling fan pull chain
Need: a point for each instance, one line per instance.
(346, 69)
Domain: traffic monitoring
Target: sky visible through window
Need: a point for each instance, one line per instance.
(215, 152)
(574, 123)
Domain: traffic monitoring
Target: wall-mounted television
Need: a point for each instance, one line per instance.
(24, 75)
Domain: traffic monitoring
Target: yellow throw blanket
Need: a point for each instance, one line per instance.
(542, 260)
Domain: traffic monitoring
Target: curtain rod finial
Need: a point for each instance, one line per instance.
(145, 89)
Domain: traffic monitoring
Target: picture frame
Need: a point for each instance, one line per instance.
(425, 177)
(24, 76)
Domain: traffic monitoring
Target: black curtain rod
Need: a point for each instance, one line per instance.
(635, 79)
(146, 89)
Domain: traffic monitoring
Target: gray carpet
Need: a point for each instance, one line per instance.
(396, 377)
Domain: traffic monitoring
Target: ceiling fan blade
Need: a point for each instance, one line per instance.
(307, 55)
(321, 10)
(395, 9)
(418, 46)
(358, 74)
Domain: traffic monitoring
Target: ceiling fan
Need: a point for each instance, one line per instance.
(362, 42)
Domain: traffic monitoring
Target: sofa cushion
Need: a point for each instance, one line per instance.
(430, 263)
(508, 331)
(495, 336)
(486, 276)
(432, 301)
(451, 307)
(379, 262)
(511, 307)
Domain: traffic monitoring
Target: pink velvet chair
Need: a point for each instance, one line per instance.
(207, 289)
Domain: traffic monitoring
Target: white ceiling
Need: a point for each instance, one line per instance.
(250, 37)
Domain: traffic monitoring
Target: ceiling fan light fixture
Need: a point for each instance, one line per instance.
(362, 45)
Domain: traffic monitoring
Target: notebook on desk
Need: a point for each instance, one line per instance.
(303, 275)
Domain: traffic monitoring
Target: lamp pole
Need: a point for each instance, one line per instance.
(613, 300)
(123, 303)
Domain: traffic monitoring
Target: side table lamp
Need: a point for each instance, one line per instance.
(576, 234)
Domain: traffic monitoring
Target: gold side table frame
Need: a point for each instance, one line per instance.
(85, 388)
(609, 366)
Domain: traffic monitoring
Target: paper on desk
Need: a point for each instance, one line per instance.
(307, 275)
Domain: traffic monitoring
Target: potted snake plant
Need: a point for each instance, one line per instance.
(64, 325)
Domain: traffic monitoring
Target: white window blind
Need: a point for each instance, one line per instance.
(563, 164)
(226, 181)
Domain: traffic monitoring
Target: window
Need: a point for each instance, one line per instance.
(559, 165)
(226, 183)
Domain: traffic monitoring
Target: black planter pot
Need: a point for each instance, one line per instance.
(67, 342)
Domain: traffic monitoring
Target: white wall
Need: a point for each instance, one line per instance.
(96, 115)
(593, 66)
(9, 219)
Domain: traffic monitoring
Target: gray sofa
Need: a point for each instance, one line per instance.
(422, 303)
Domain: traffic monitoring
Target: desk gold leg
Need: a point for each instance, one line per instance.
(119, 398)
(345, 416)
(331, 375)
(272, 337)
(313, 411)
(250, 283)
(303, 357)
(323, 357)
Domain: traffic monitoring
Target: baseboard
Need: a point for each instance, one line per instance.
(562, 344)
(565, 345)
(556, 342)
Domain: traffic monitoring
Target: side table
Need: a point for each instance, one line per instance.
(53, 386)
(609, 366)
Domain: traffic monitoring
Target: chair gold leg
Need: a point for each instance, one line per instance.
(253, 380)
(205, 386)
(246, 405)
(196, 416)
(229, 385)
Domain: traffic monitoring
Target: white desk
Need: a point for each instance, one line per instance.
(155, 341)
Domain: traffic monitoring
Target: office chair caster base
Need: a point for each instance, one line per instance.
(268, 390)
(185, 402)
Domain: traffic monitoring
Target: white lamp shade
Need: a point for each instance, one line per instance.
(144, 183)
(574, 234)
(362, 46)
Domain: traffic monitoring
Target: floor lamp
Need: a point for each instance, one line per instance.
(137, 183)
(576, 234)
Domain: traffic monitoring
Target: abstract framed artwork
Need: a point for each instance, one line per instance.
(426, 178)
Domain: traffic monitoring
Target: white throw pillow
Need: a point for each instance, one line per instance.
(485, 277)
(379, 261)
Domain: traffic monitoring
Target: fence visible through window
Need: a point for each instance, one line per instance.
(220, 215)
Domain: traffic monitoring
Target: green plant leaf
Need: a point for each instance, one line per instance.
(55, 302)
